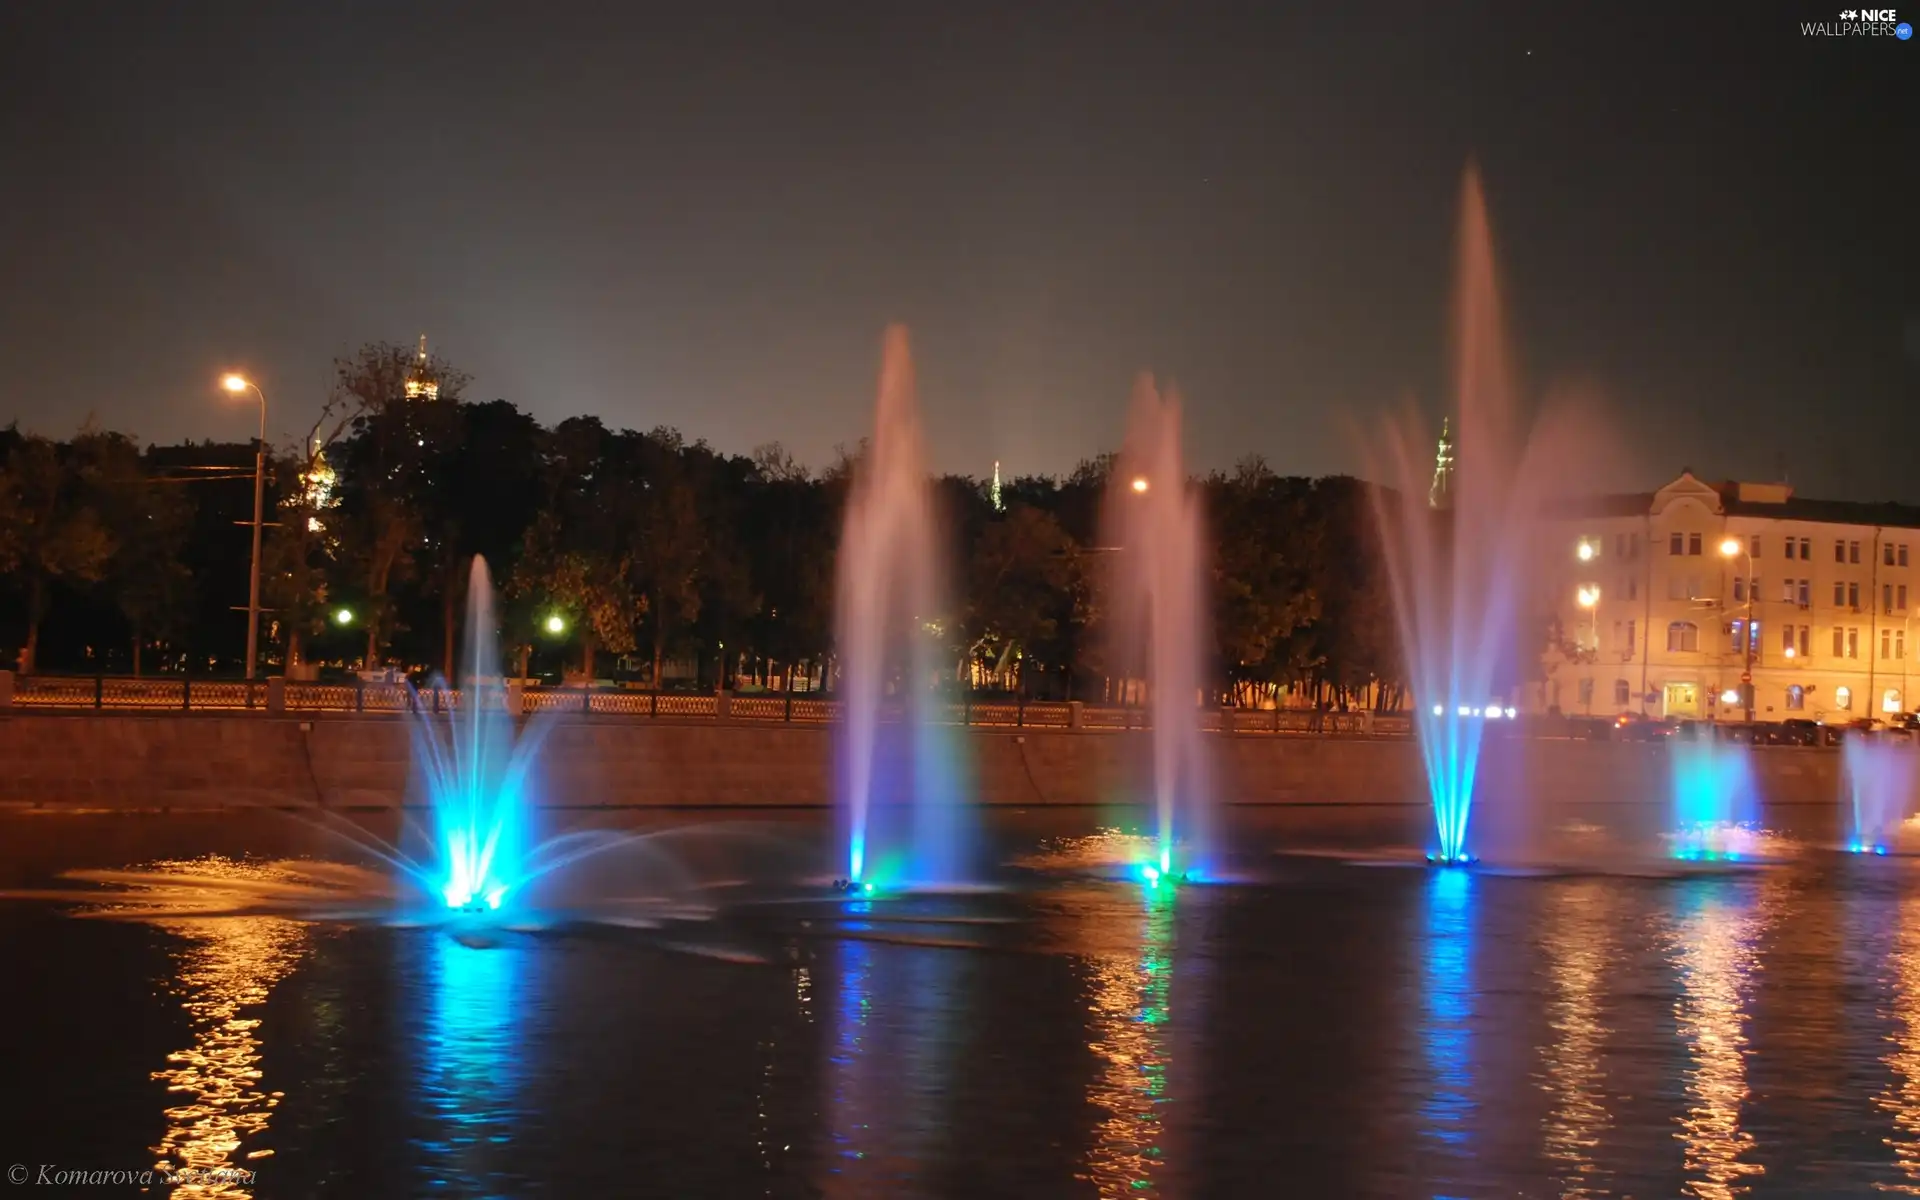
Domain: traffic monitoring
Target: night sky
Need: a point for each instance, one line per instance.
(702, 216)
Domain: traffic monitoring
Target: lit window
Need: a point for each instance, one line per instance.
(1786, 640)
(1843, 698)
(1890, 700)
(1796, 698)
(1683, 637)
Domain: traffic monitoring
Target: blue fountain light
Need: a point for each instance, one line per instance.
(475, 768)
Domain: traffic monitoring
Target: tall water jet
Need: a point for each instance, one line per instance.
(1454, 544)
(1881, 775)
(474, 772)
(1158, 619)
(899, 793)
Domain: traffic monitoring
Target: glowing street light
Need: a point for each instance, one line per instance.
(1731, 547)
(556, 624)
(1586, 551)
(343, 616)
(239, 385)
(1139, 484)
(1588, 597)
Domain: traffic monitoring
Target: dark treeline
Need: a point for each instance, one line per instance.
(620, 555)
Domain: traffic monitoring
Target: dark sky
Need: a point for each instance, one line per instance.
(702, 215)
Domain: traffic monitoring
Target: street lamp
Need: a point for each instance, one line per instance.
(1140, 484)
(239, 385)
(1730, 548)
(343, 616)
(556, 624)
(1588, 597)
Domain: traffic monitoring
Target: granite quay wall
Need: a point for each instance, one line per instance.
(108, 760)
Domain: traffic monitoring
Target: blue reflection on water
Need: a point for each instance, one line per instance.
(471, 1061)
(890, 1070)
(1446, 1033)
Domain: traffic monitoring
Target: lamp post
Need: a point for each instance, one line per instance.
(238, 384)
(1729, 549)
(1588, 597)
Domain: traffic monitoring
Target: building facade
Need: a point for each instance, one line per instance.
(1730, 602)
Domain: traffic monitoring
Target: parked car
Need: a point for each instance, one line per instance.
(1796, 731)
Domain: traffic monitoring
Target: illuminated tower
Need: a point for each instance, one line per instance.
(1440, 494)
(421, 385)
(994, 495)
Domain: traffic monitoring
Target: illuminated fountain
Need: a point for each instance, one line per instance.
(1454, 542)
(474, 770)
(479, 861)
(1880, 779)
(1153, 516)
(1714, 803)
(897, 775)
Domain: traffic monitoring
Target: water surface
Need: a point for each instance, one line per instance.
(1321, 1030)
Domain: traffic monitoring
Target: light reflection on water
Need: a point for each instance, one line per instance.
(1716, 927)
(1446, 952)
(1579, 947)
(1130, 1004)
(472, 1065)
(224, 967)
(1901, 1097)
(889, 1073)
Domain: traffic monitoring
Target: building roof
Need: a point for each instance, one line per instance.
(1736, 499)
(1832, 512)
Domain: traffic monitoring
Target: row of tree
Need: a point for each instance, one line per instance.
(619, 554)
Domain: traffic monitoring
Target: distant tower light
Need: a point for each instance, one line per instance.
(1440, 494)
(994, 495)
(421, 385)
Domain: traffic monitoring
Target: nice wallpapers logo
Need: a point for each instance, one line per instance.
(1860, 22)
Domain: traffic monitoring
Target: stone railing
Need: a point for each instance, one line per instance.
(78, 693)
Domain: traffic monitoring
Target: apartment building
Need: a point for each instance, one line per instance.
(1729, 601)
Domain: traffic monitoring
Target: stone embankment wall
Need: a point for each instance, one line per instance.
(179, 761)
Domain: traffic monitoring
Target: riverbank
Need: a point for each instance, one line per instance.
(169, 761)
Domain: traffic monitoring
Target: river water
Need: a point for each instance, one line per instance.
(1318, 1029)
